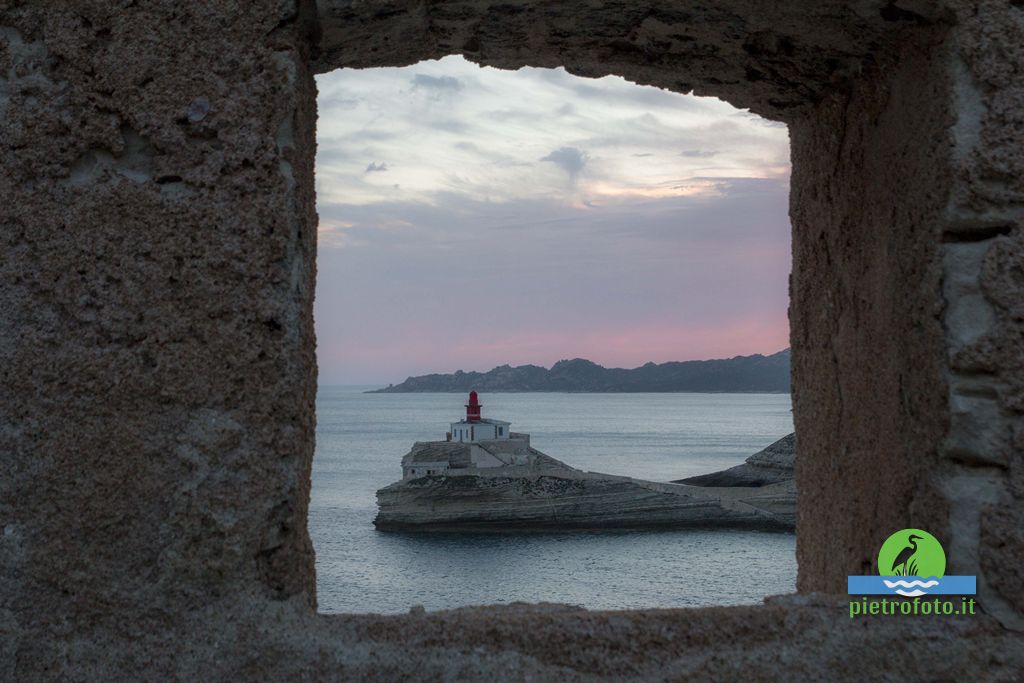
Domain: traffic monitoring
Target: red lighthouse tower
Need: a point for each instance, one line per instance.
(473, 408)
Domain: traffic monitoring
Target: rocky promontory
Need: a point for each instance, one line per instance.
(771, 465)
(547, 494)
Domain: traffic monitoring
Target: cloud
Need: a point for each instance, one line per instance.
(340, 102)
(742, 213)
(488, 146)
(569, 158)
(439, 83)
(654, 254)
(452, 125)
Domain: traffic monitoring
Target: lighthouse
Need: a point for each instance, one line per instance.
(473, 408)
(474, 443)
(476, 428)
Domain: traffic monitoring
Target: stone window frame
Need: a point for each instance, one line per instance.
(158, 354)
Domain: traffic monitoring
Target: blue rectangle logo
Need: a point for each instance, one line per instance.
(911, 586)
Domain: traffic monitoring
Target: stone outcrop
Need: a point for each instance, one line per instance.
(771, 465)
(548, 494)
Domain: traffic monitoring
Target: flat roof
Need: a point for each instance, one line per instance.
(485, 420)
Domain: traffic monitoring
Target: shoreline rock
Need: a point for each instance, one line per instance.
(771, 465)
(548, 495)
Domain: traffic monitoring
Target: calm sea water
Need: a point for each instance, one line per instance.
(361, 439)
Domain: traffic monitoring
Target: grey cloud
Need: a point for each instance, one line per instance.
(746, 211)
(439, 83)
(645, 154)
(375, 135)
(447, 125)
(569, 158)
(488, 155)
(326, 155)
(754, 118)
(452, 221)
(359, 138)
(698, 153)
(525, 116)
(649, 97)
(375, 167)
(645, 131)
(338, 102)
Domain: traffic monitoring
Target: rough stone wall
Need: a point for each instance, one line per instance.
(912, 185)
(157, 367)
(983, 289)
(869, 397)
(777, 58)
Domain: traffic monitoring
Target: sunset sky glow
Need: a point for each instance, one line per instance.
(471, 217)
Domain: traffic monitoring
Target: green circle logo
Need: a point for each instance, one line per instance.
(912, 552)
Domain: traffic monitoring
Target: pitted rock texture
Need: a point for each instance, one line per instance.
(867, 199)
(778, 59)
(559, 498)
(791, 638)
(1002, 552)
(157, 367)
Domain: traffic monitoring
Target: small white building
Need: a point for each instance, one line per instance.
(482, 430)
(475, 428)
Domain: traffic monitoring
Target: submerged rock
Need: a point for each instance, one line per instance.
(771, 465)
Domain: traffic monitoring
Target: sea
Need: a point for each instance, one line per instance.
(361, 438)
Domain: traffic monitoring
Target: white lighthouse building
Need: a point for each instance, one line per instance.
(471, 444)
(475, 428)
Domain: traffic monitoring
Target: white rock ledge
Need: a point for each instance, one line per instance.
(549, 496)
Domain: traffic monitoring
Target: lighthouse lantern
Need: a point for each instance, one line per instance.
(473, 408)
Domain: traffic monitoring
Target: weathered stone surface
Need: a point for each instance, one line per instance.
(1002, 552)
(778, 59)
(770, 465)
(793, 638)
(475, 503)
(986, 213)
(547, 494)
(867, 199)
(157, 365)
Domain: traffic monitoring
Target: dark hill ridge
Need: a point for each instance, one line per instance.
(741, 374)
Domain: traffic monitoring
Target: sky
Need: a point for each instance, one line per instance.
(472, 217)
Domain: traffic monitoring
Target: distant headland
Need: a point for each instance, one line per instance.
(741, 374)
